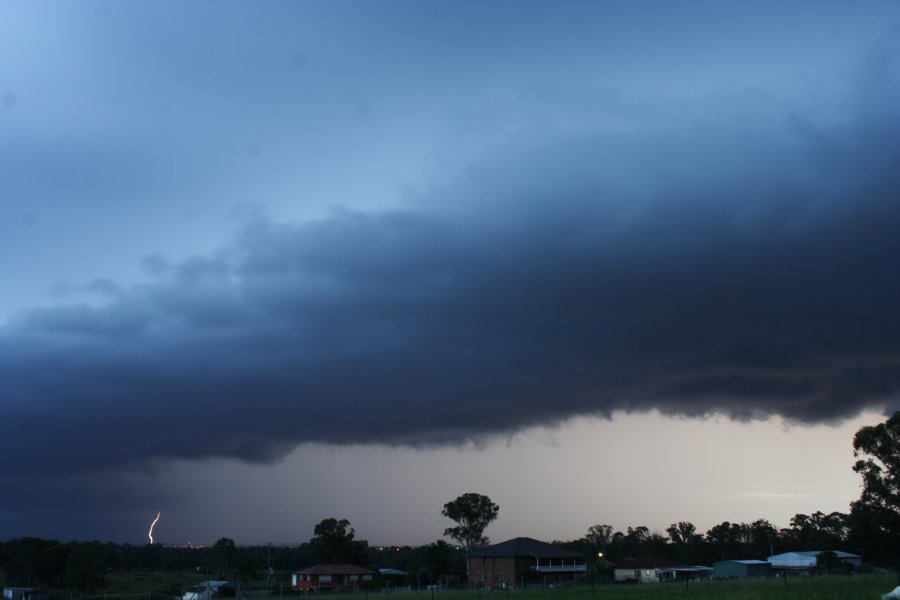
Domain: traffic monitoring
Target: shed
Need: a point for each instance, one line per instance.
(742, 568)
(806, 560)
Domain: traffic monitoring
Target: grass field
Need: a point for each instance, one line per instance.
(158, 586)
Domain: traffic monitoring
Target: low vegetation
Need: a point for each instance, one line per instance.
(161, 586)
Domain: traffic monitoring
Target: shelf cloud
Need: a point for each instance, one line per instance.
(703, 267)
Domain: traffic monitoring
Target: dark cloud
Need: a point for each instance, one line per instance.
(708, 267)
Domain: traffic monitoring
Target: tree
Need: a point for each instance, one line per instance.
(86, 567)
(875, 517)
(438, 557)
(223, 550)
(828, 562)
(333, 543)
(762, 539)
(51, 565)
(686, 542)
(818, 530)
(728, 539)
(681, 533)
(23, 559)
(599, 537)
(473, 513)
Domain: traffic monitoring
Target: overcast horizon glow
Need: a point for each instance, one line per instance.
(250, 246)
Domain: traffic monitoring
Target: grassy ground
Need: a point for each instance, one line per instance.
(857, 587)
(161, 586)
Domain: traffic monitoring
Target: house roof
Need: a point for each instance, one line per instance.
(210, 583)
(334, 570)
(744, 562)
(838, 553)
(525, 546)
(648, 562)
(805, 558)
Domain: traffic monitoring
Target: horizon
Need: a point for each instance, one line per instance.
(744, 501)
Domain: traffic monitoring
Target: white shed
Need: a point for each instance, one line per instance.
(807, 559)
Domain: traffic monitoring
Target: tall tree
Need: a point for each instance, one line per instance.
(762, 539)
(473, 513)
(223, 551)
(686, 542)
(681, 533)
(599, 537)
(334, 541)
(875, 517)
(728, 539)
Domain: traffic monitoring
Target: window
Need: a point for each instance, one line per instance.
(354, 577)
(324, 578)
(367, 578)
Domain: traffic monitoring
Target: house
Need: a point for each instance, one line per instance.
(742, 568)
(522, 559)
(321, 578)
(806, 561)
(650, 569)
(689, 572)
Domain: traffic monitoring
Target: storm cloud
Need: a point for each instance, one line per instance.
(739, 265)
(445, 224)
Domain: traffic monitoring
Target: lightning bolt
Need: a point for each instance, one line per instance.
(150, 533)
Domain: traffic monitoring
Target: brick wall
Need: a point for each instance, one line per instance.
(492, 572)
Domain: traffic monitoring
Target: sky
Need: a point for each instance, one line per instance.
(265, 263)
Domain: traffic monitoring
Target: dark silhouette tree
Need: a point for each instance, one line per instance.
(334, 541)
(473, 513)
(763, 536)
(599, 537)
(686, 541)
(728, 539)
(681, 533)
(223, 553)
(875, 517)
(817, 531)
(86, 567)
(438, 558)
(828, 562)
(23, 558)
(51, 564)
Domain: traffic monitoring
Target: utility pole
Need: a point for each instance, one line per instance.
(268, 567)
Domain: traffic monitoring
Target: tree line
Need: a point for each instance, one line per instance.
(83, 566)
(683, 543)
(871, 528)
